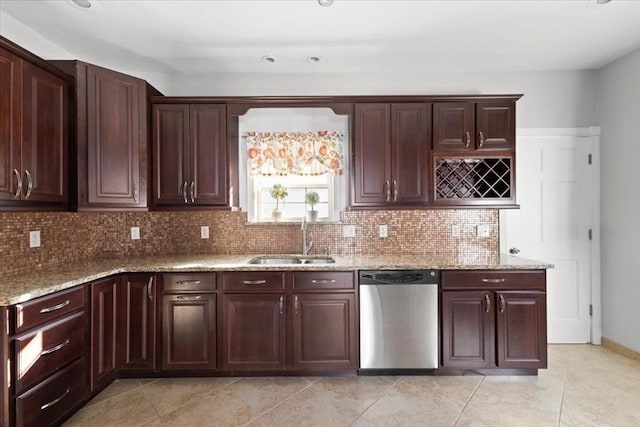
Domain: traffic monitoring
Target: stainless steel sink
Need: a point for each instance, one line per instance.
(291, 260)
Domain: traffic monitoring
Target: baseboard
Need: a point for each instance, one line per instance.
(620, 349)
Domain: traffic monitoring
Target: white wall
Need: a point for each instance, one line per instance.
(551, 98)
(619, 118)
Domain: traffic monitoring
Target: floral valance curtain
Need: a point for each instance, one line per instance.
(294, 153)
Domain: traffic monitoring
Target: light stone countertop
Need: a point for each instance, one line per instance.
(19, 288)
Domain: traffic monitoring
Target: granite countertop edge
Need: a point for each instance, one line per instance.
(19, 288)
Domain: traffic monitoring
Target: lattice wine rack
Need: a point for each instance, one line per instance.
(473, 178)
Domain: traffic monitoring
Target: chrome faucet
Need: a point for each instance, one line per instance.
(306, 247)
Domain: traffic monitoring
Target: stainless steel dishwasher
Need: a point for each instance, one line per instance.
(398, 320)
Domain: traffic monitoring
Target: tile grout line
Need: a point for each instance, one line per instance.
(377, 400)
(279, 403)
(468, 401)
(564, 387)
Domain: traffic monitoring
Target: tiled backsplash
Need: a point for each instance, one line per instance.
(68, 237)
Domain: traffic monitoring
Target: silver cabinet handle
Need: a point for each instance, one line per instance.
(387, 191)
(184, 282)
(467, 139)
(54, 401)
(149, 288)
(29, 183)
(135, 192)
(481, 139)
(395, 190)
(184, 192)
(55, 348)
(19, 182)
(502, 304)
(321, 281)
(295, 304)
(514, 251)
(254, 282)
(281, 305)
(192, 192)
(487, 303)
(187, 298)
(493, 280)
(55, 307)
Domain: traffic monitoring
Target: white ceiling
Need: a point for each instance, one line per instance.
(208, 36)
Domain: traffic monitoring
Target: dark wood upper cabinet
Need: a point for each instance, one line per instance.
(468, 126)
(33, 135)
(391, 146)
(104, 325)
(190, 155)
(137, 322)
(254, 332)
(110, 138)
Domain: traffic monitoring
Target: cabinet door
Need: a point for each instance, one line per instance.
(137, 322)
(495, 125)
(253, 332)
(10, 116)
(453, 126)
(372, 160)
(468, 330)
(44, 136)
(208, 155)
(409, 152)
(188, 331)
(103, 331)
(170, 145)
(521, 329)
(115, 139)
(324, 331)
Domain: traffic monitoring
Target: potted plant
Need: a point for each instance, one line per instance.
(311, 199)
(278, 192)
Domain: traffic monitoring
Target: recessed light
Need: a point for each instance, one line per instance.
(313, 59)
(603, 1)
(84, 4)
(325, 3)
(267, 59)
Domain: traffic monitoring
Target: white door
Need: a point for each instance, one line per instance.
(554, 190)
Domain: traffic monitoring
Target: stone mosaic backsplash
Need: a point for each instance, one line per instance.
(71, 236)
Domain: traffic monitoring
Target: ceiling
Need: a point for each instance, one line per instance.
(209, 36)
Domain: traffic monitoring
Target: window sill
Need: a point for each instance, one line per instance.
(293, 222)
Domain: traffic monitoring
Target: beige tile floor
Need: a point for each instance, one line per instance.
(583, 386)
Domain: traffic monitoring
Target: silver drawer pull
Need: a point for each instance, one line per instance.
(55, 307)
(54, 349)
(54, 401)
(323, 281)
(254, 282)
(185, 298)
(493, 280)
(184, 282)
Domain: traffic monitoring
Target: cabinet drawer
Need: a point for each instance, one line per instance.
(46, 350)
(321, 280)
(196, 282)
(253, 280)
(51, 307)
(494, 279)
(48, 402)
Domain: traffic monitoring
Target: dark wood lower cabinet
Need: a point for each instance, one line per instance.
(188, 331)
(254, 332)
(324, 332)
(103, 331)
(137, 322)
(468, 330)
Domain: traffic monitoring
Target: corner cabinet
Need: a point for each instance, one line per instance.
(391, 146)
(111, 127)
(190, 155)
(494, 320)
(33, 134)
(104, 326)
